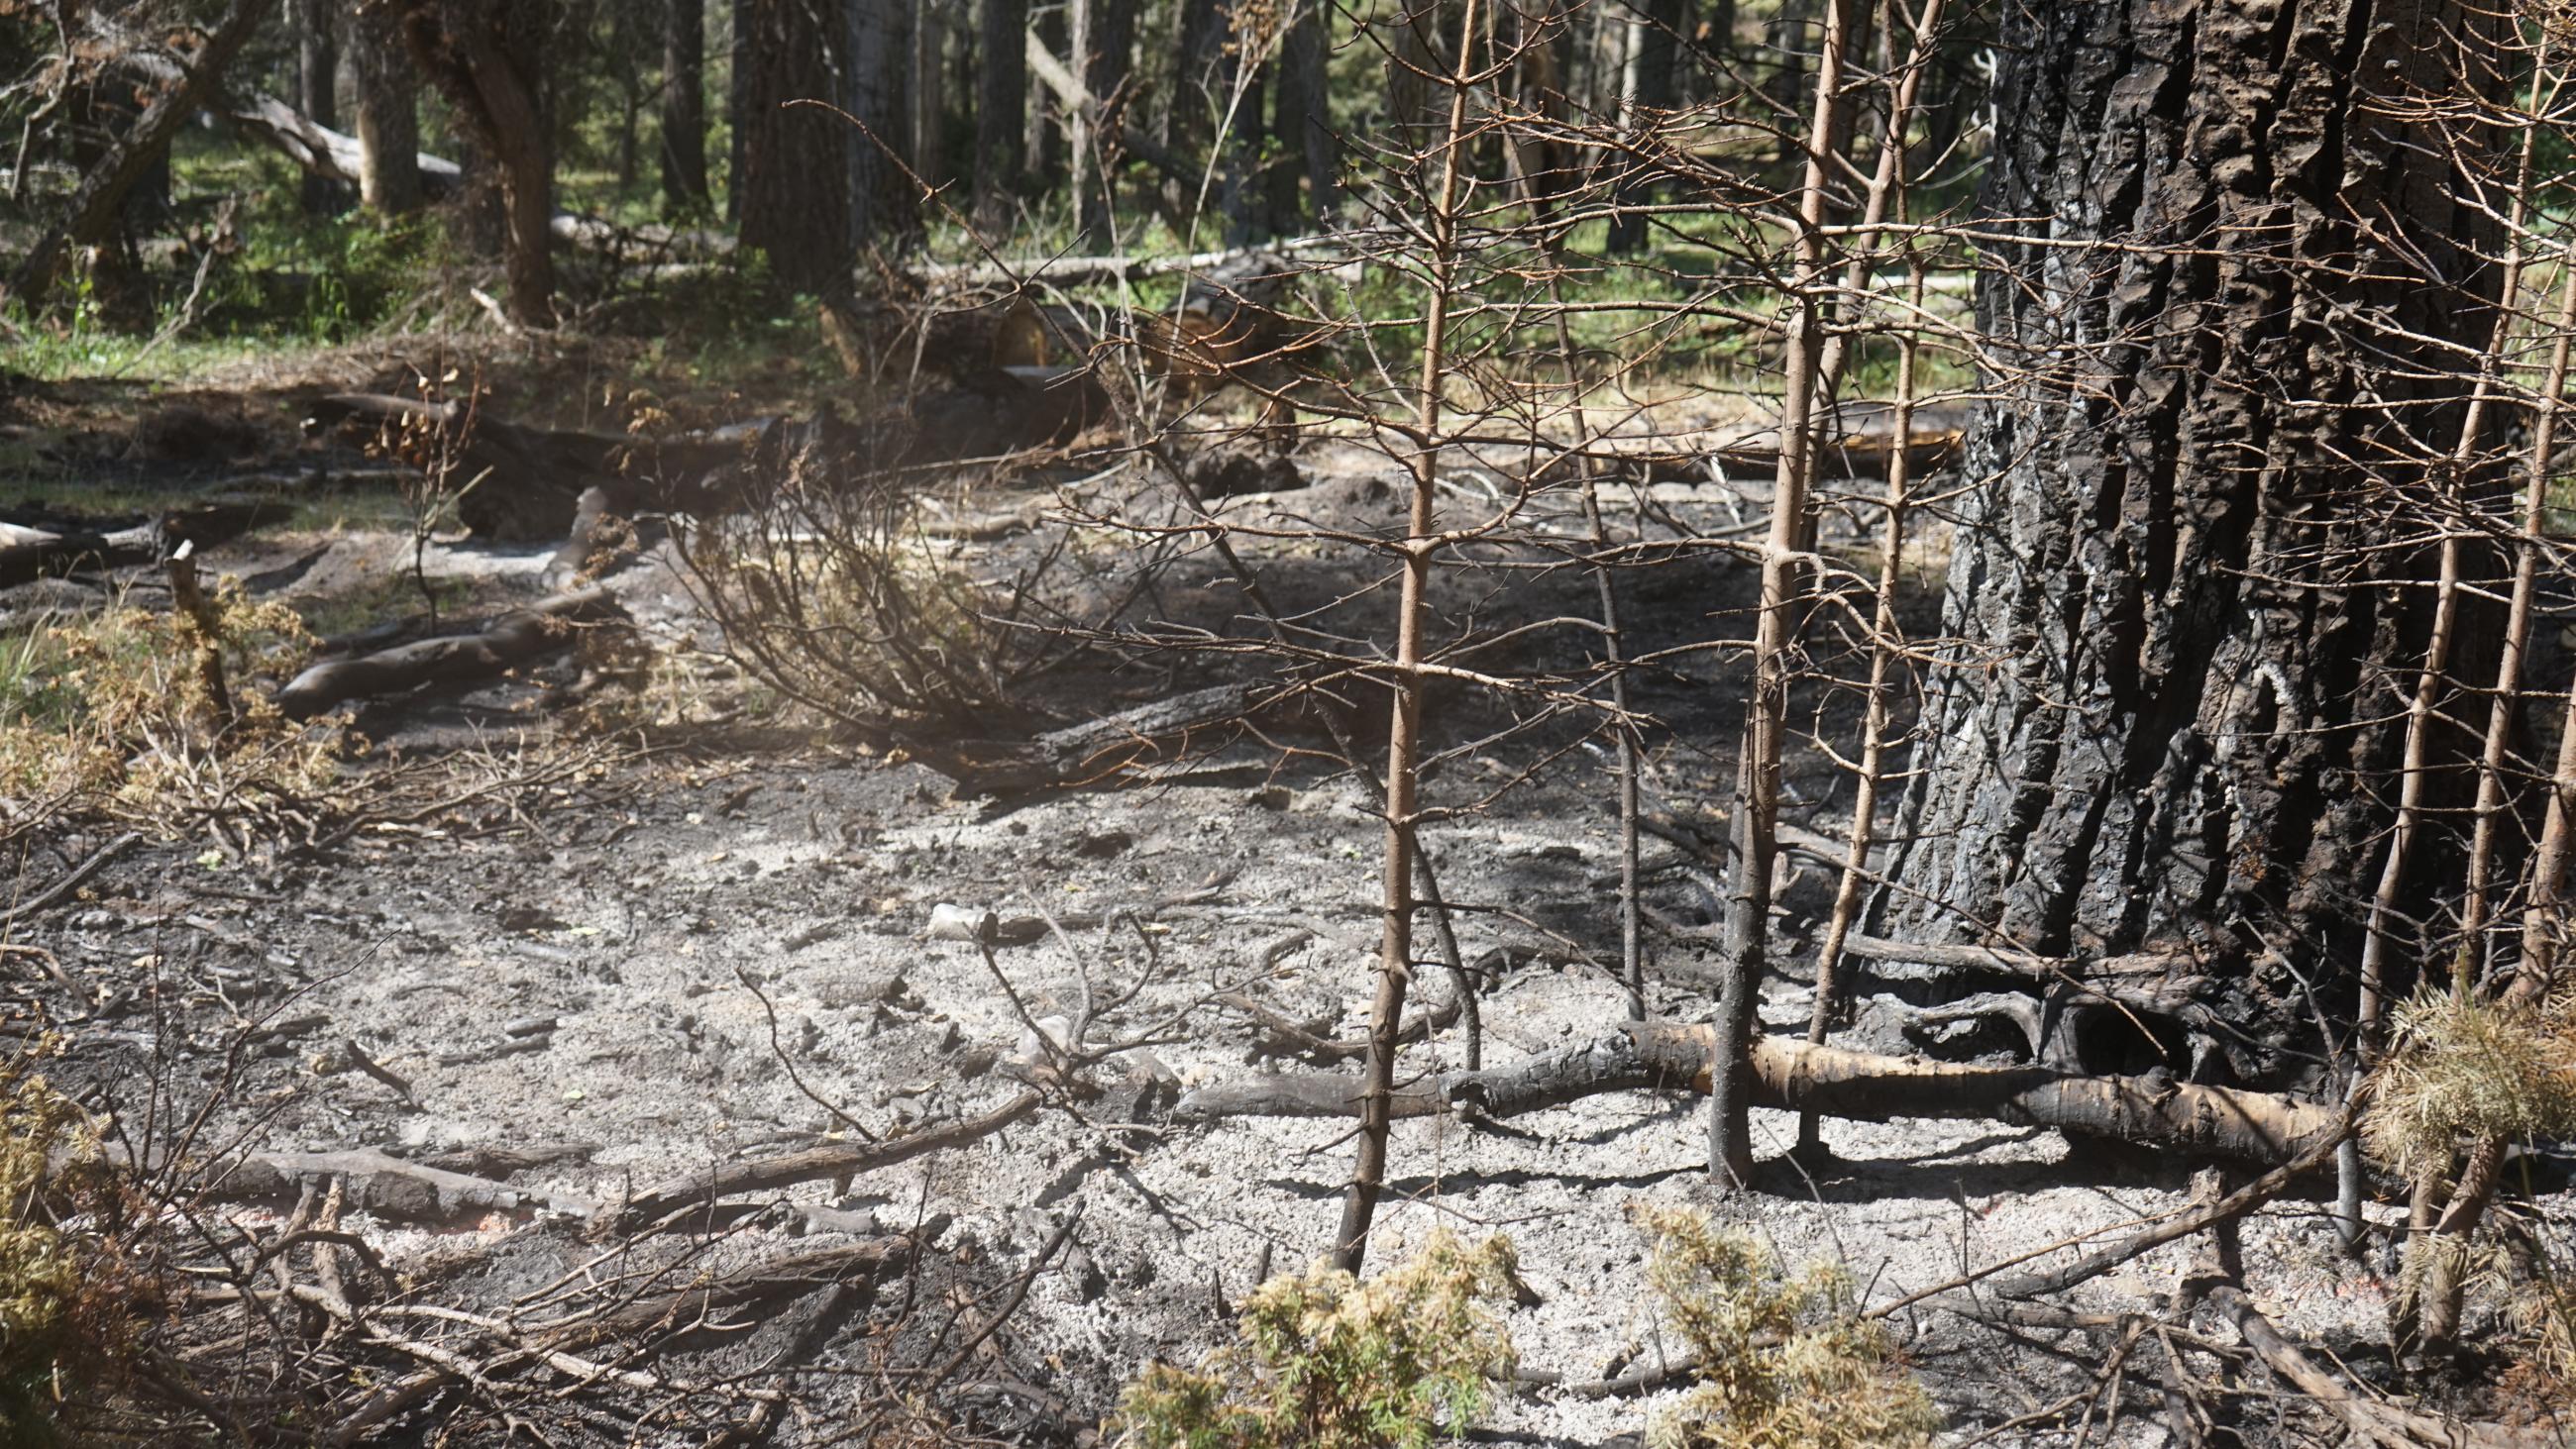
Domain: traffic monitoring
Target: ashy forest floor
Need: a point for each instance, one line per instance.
(630, 923)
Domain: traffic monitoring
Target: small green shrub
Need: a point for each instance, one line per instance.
(1784, 1363)
(109, 709)
(1327, 1362)
(67, 1308)
(2465, 1069)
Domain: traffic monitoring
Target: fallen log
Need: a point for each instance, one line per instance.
(1080, 754)
(2371, 1421)
(1797, 1076)
(510, 640)
(790, 1275)
(29, 554)
(381, 1184)
(768, 1174)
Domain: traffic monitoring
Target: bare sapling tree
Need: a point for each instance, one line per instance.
(1419, 555)
(1755, 826)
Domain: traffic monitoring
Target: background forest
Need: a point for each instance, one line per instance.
(1248, 722)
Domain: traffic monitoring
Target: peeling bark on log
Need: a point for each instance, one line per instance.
(512, 639)
(1797, 1076)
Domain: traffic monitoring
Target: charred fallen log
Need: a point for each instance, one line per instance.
(28, 554)
(503, 644)
(1798, 1076)
(1084, 753)
(518, 484)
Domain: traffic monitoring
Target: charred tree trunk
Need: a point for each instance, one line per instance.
(486, 58)
(388, 106)
(2183, 570)
(1654, 74)
(684, 108)
(317, 72)
(884, 209)
(794, 183)
(1104, 37)
(1001, 107)
(1303, 121)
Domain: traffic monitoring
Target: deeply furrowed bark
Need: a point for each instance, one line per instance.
(2170, 572)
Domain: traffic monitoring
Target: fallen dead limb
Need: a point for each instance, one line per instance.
(1798, 1076)
(1083, 753)
(337, 156)
(28, 554)
(382, 1184)
(2369, 1420)
(786, 1276)
(512, 639)
(663, 1200)
(78, 876)
(1305, 1039)
(2226, 1209)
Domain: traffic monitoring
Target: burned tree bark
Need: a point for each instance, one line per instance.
(794, 183)
(684, 108)
(388, 115)
(485, 58)
(2181, 569)
(1001, 104)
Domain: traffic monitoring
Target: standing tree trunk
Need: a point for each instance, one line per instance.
(738, 68)
(1303, 120)
(884, 206)
(1654, 73)
(2184, 573)
(1104, 36)
(684, 108)
(485, 57)
(388, 106)
(930, 91)
(317, 73)
(794, 183)
(100, 197)
(1001, 104)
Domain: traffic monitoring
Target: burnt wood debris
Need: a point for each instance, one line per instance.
(1803, 723)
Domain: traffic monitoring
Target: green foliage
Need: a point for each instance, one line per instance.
(61, 1312)
(1783, 1362)
(110, 707)
(2465, 1069)
(1327, 1362)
